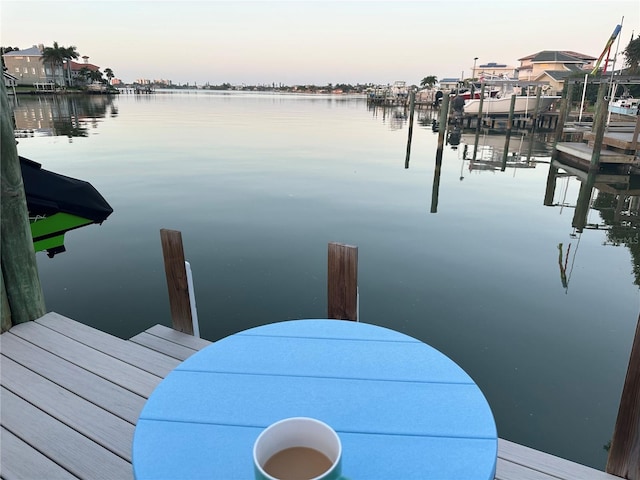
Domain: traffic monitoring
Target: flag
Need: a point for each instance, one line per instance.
(607, 48)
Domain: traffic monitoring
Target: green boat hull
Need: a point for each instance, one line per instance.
(48, 232)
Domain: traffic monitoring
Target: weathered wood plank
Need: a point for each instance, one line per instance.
(102, 427)
(160, 345)
(19, 461)
(549, 464)
(70, 449)
(584, 152)
(177, 285)
(114, 370)
(342, 282)
(113, 398)
(131, 353)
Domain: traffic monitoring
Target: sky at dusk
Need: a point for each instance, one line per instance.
(304, 42)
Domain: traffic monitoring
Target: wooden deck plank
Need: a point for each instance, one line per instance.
(113, 369)
(100, 426)
(506, 470)
(180, 338)
(16, 465)
(113, 398)
(174, 336)
(124, 350)
(91, 382)
(584, 152)
(161, 345)
(616, 139)
(548, 464)
(63, 445)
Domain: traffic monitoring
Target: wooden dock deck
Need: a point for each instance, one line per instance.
(71, 396)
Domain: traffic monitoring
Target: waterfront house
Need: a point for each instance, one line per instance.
(27, 66)
(29, 69)
(554, 67)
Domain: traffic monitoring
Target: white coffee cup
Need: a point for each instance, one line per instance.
(293, 433)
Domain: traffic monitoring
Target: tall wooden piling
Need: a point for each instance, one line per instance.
(599, 125)
(478, 122)
(19, 268)
(342, 282)
(444, 120)
(624, 454)
(177, 284)
(565, 108)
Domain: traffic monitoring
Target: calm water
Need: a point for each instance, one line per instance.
(259, 184)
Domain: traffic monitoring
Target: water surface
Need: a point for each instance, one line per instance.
(258, 184)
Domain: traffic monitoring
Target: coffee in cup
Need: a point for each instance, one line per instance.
(298, 448)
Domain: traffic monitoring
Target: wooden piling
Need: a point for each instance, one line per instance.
(599, 125)
(444, 120)
(565, 108)
(624, 454)
(636, 132)
(478, 122)
(507, 139)
(342, 282)
(412, 100)
(550, 189)
(19, 268)
(177, 285)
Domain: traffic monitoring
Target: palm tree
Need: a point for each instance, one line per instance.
(429, 81)
(69, 53)
(54, 57)
(109, 74)
(96, 76)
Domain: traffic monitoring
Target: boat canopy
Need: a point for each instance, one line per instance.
(49, 193)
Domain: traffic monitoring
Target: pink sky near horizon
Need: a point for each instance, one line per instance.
(302, 42)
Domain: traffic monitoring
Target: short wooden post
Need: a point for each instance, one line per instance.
(342, 282)
(624, 454)
(177, 284)
(18, 259)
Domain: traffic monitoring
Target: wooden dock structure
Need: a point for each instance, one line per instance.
(71, 396)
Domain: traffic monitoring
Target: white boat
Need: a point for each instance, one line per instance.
(501, 106)
(500, 103)
(625, 106)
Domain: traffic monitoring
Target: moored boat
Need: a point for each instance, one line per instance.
(57, 204)
(626, 105)
(500, 103)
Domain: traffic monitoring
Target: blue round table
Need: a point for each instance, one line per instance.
(402, 409)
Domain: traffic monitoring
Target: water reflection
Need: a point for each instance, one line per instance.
(614, 196)
(60, 115)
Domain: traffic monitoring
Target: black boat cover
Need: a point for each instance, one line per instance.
(48, 193)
